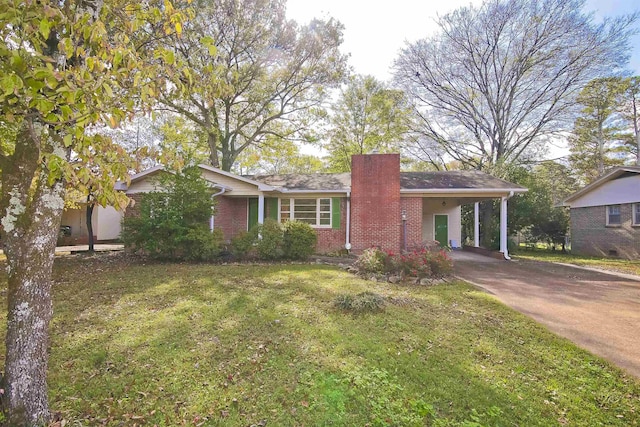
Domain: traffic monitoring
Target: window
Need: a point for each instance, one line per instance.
(636, 214)
(315, 212)
(613, 215)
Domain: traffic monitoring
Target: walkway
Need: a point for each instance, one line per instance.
(100, 247)
(598, 311)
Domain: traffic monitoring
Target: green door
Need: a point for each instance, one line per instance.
(253, 213)
(442, 229)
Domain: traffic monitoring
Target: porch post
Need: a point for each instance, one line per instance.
(261, 209)
(503, 228)
(476, 224)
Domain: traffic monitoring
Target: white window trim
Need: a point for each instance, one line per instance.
(635, 206)
(292, 209)
(607, 212)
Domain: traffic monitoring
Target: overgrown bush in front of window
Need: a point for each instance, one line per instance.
(270, 242)
(173, 221)
(299, 240)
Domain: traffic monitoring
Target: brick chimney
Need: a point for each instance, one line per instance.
(375, 202)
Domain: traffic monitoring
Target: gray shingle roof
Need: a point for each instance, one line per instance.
(468, 179)
(408, 181)
(309, 182)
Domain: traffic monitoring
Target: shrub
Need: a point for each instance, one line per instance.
(172, 222)
(417, 263)
(243, 243)
(372, 260)
(440, 263)
(363, 302)
(414, 264)
(200, 244)
(299, 240)
(270, 244)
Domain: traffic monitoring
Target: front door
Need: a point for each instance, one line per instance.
(441, 225)
(253, 213)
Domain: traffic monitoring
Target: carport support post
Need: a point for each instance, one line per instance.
(503, 228)
(261, 209)
(476, 224)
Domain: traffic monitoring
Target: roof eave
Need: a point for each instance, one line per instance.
(462, 190)
(597, 183)
(261, 186)
(296, 191)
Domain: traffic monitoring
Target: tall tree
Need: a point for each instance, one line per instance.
(597, 142)
(630, 112)
(64, 65)
(252, 73)
(367, 116)
(502, 77)
(276, 156)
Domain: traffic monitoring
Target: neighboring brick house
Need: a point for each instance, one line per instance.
(374, 205)
(605, 215)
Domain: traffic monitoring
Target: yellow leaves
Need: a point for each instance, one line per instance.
(45, 28)
(209, 43)
(10, 84)
(178, 28)
(107, 89)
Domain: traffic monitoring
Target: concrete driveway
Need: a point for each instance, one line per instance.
(600, 312)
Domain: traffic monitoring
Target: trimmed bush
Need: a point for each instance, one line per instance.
(243, 243)
(270, 244)
(299, 240)
(201, 244)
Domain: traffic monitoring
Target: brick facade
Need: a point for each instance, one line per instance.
(375, 202)
(333, 239)
(412, 206)
(230, 215)
(591, 236)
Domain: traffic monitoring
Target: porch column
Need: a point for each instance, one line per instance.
(503, 228)
(261, 209)
(476, 224)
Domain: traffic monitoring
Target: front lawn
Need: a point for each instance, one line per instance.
(179, 344)
(613, 264)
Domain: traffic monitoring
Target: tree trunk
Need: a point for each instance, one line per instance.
(487, 214)
(638, 148)
(212, 141)
(31, 212)
(90, 207)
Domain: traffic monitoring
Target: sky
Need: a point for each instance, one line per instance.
(375, 31)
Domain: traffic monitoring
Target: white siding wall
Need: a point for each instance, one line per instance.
(618, 191)
(107, 224)
(431, 207)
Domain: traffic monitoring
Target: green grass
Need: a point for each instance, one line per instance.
(178, 344)
(613, 264)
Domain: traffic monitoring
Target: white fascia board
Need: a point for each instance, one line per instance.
(287, 191)
(124, 186)
(261, 186)
(456, 191)
(598, 182)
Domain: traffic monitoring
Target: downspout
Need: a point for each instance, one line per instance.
(503, 215)
(219, 193)
(347, 244)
